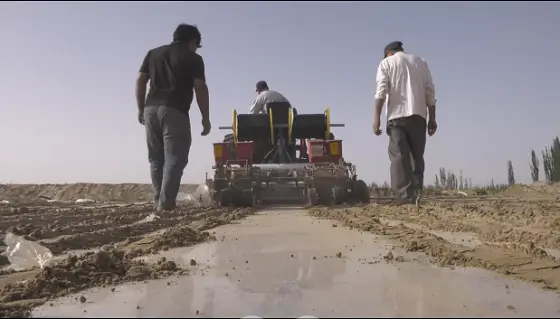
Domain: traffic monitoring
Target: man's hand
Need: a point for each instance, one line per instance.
(206, 127)
(377, 127)
(141, 117)
(432, 127)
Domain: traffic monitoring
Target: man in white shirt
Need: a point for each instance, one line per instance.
(404, 81)
(264, 96)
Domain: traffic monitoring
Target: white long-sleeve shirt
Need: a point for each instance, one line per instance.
(266, 97)
(405, 82)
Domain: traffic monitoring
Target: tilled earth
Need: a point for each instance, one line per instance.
(115, 236)
(515, 236)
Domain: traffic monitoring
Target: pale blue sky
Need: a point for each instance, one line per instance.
(68, 72)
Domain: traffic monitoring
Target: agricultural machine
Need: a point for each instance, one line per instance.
(282, 157)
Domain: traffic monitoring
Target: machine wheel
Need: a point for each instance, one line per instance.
(360, 192)
(225, 198)
(247, 199)
(312, 198)
(339, 195)
(324, 196)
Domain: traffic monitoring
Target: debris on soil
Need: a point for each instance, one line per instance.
(192, 262)
(339, 255)
(83, 299)
(503, 234)
(389, 256)
(116, 236)
(72, 192)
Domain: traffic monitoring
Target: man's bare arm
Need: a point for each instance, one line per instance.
(142, 81)
(141, 85)
(201, 89)
(432, 113)
(202, 98)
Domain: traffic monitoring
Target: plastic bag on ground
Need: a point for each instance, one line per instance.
(85, 201)
(200, 197)
(25, 254)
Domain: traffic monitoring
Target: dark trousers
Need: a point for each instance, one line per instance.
(407, 142)
(168, 135)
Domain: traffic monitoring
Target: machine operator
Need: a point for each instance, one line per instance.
(264, 96)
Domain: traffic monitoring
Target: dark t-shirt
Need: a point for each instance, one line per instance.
(172, 69)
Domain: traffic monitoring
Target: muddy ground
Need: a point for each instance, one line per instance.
(115, 235)
(71, 192)
(516, 233)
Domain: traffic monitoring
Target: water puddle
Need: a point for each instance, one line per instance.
(466, 239)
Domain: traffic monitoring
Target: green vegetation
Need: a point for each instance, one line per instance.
(447, 182)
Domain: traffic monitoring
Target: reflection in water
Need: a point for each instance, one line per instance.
(273, 282)
(266, 267)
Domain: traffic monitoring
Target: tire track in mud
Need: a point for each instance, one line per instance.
(416, 230)
(121, 237)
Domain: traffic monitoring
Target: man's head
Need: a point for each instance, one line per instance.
(392, 48)
(188, 34)
(261, 86)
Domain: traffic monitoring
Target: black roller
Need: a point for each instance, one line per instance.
(309, 126)
(252, 126)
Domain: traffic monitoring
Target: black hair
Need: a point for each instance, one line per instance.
(187, 33)
(395, 46)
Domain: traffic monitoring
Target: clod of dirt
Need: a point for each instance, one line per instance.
(389, 256)
(74, 274)
(339, 255)
(192, 262)
(399, 259)
(83, 299)
(179, 236)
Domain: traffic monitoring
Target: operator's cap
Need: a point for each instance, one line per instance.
(395, 45)
(261, 85)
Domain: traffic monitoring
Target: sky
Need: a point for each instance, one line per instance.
(68, 71)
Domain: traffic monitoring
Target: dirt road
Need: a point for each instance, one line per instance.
(373, 260)
(284, 263)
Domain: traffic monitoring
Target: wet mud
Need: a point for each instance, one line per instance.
(517, 236)
(115, 236)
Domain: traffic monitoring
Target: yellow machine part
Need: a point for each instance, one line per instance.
(328, 120)
(234, 126)
(218, 151)
(335, 148)
(271, 126)
(290, 124)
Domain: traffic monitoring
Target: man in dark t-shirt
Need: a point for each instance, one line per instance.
(174, 71)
